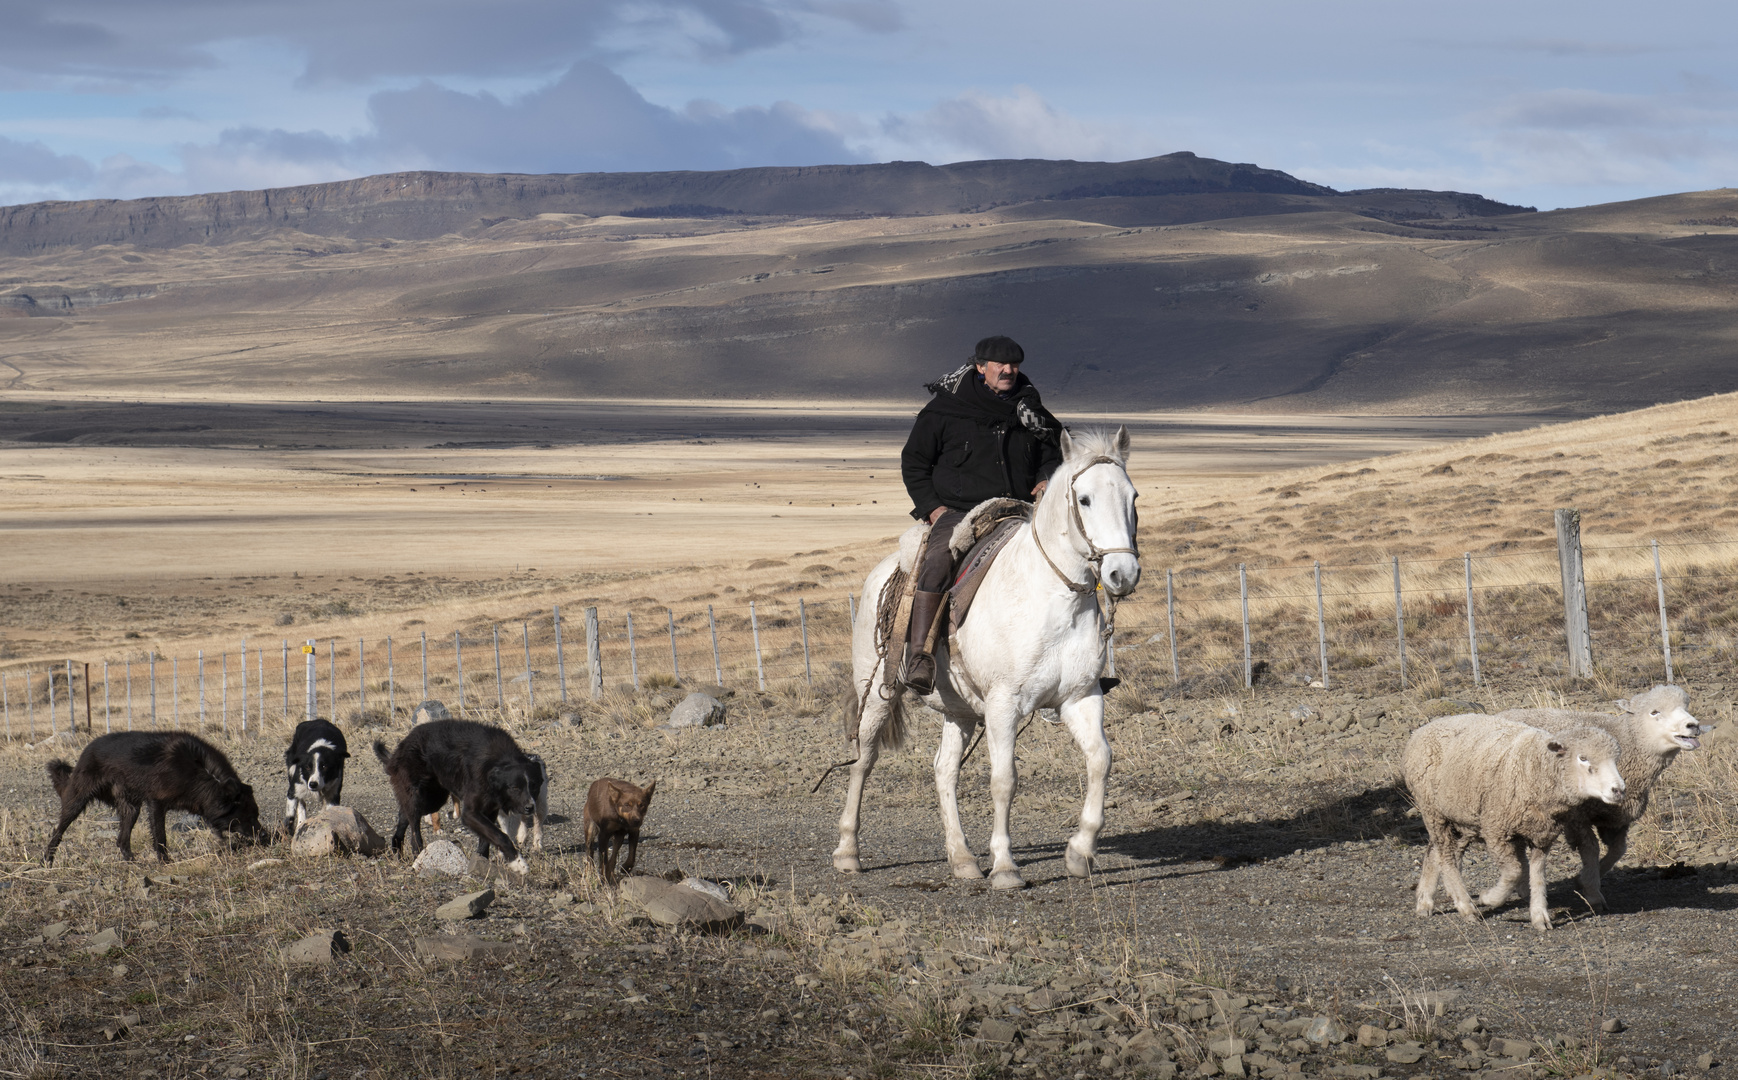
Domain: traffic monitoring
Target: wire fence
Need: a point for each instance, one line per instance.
(1656, 611)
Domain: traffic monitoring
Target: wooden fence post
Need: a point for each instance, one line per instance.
(1575, 627)
(530, 692)
(244, 687)
(424, 665)
(560, 658)
(593, 653)
(754, 625)
(1171, 618)
(1243, 594)
(808, 672)
(1321, 626)
(675, 662)
(1472, 635)
(311, 676)
(1399, 623)
(1665, 631)
(633, 657)
(459, 668)
(89, 730)
(500, 690)
(717, 665)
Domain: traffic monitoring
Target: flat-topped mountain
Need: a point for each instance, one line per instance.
(425, 205)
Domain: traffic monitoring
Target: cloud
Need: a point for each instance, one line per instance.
(33, 164)
(1019, 125)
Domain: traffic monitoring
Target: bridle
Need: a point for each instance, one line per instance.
(1094, 554)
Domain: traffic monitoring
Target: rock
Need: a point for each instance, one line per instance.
(1519, 1049)
(468, 906)
(1226, 1048)
(463, 947)
(561, 901)
(100, 944)
(1208, 1067)
(1612, 1026)
(336, 830)
(1472, 1025)
(1705, 1062)
(696, 710)
(678, 905)
(442, 858)
(120, 1026)
(997, 1031)
(1325, 1031)
(710, 888)
(1407, 1053)
(317, 948)
(261, 864)
(54, 931)
(430, 710)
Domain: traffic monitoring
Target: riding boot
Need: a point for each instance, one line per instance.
(919, 674)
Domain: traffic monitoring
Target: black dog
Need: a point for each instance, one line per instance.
(161, 770)
(315, 761)
(477, 765)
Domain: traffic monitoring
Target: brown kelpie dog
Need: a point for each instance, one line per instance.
(613, 811)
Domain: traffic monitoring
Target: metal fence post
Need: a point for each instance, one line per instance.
(312, 678)
(808, 672)
(1321, 626)
(1399, 623)
(260, 654)
(6, 704)
(851, 599)
(593, 654)
(108, 715)
(424, 634)
(1665, 631)
(1472, 635)
(500, 690)
(71, 704)
(754, 625)
(391, 684)
(560, 659)
(30, 703)
(286, 645)
(1243, 593)
(675, 664)
(1575, 627)
(459, 668)
(530, 695)
(1171, 619)
(89, 730)
(633, 657)
(244, 686)
(717, 665)
(53, 723)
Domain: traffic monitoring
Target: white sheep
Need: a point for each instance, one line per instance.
(1650, 729)
(1508, 784)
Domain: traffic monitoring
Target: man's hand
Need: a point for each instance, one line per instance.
(1039, 490)
(935, 515)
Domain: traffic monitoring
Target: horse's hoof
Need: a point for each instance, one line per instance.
(1007, 879)
(848, 864)
(1078, 865)
(968, 871)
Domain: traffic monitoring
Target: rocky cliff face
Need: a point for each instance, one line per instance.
(423, 205)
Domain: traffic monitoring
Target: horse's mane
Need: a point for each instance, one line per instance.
(1092, 442)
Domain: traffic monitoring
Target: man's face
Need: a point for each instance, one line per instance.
(998, 376)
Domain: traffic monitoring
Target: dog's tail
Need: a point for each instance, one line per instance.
(59, 772)
(380, 750)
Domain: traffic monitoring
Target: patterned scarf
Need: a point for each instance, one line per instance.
(1030, 418)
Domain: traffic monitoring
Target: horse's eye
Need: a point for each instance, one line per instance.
(1086, 500)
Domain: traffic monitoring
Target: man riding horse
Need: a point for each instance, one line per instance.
(983, 435)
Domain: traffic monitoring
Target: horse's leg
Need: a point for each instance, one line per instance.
(1085, 720)
(1000, 726)
(954, 734)
(875, 713)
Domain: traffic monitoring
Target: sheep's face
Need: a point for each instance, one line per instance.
(1593, 767)
(1664, 719)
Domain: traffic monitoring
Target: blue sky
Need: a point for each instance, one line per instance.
(1546, 103)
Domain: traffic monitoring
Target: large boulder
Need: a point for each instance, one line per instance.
(430, 710)
(696, 710)
(336, 830)
(679, 906)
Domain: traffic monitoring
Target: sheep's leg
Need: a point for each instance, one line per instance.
(1616, 843)
(1538, 911)
(954, 734)
(1507, 855)
(875, 714)
(1587, 842)
(1427, 877)
(1085, 720)
(1448, 862)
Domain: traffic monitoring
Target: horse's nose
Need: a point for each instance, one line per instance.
(1121, 580)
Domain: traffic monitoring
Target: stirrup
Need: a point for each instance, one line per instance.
(918, 675)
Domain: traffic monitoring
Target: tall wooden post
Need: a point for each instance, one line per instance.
(593, 653)
(1576, 632)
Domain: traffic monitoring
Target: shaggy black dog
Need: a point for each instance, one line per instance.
(159, 770)
(315, 761)
(480, 767)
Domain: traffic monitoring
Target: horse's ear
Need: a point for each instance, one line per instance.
(1067, 444)
(1122, 442)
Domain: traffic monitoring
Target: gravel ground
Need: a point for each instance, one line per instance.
(1255, 878)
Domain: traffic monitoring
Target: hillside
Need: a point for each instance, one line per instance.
(1177, 282)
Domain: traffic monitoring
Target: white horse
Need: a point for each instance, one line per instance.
(1032, 640)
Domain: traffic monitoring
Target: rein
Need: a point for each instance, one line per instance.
(1094, 554)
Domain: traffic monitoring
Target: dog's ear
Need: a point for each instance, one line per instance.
(646, 794)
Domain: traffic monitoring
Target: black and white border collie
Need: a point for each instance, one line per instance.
(315, 761)
(512, 823)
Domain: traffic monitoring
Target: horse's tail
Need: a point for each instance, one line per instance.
(891, 734)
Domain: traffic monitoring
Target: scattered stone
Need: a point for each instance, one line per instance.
(463, 947)
(1355, 1072)
(336, 830)
(997, 1031)
(677, 905)
(1227, 1048)
(1371, 1035)
(317, 948)
(1472, 1025)
(1612, 1026)
(710, 888)
(1705, 1062)
(235, 1072)
(99, 944)
(119, 1027)
(430, 710)
(1406, 1053)
(119, 971)
(1325, 1031)
(442, 858)
(468, 906)
(261, 864)
(1233, 1066)
(561, 901)
(1519, 1049)
(696, 710)
(55, 931)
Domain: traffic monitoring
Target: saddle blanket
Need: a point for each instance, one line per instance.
(976, 565)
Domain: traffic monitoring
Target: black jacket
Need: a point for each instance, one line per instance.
(969, 445)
